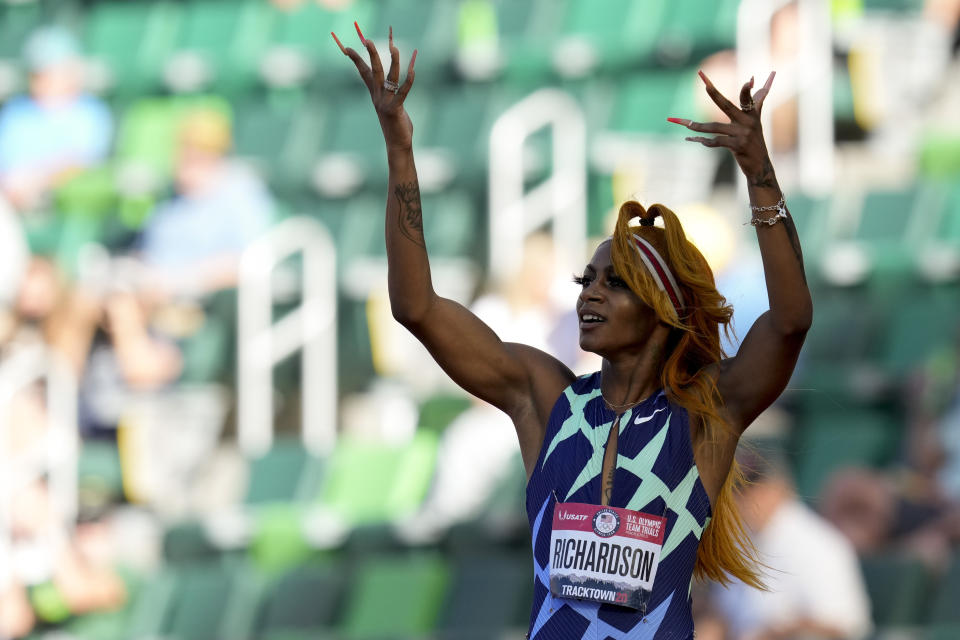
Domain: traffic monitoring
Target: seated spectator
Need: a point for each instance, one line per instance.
(815, 587)
(914, 507)
(54, 131)
(192, 244)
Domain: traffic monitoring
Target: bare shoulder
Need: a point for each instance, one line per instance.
(546, 378)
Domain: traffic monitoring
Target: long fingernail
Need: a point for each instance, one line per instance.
(751, 81)
(702, 76)
(337, 40)
(391, 34)
(677, 121)
(414, 57)
(360, 33)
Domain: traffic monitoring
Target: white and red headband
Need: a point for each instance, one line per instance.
(661, 273)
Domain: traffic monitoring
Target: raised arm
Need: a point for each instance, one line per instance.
(750, 381)
(520, 380)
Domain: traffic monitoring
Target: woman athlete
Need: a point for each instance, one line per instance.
(631, 469)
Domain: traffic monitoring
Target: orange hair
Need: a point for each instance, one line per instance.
(725, 549)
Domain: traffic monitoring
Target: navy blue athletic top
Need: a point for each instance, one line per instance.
(655, 474)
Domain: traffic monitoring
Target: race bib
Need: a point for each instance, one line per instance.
(604, 554)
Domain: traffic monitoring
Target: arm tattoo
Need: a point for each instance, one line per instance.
(767, 179)
(795, 243)
(410, 216)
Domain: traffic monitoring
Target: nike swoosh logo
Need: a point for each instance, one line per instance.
(642, 419)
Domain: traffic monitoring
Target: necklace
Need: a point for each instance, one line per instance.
(617, 407)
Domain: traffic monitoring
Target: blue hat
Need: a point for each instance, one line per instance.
(48, 47)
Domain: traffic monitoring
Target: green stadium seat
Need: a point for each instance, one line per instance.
(885, 225)
(466, 146)
(187, 542)
(131, 40)
(214, 600)
(829, 440)
(898, 6)
(691, 30)
(648, 99)
(810, 215)
(282, 474)
(353, 333)
(352, 137)
(489, 594)
(305, 30)
(209, 351)
(845, 328)
(366, 483)
(944, 609)
(395, 596)
(887, 231)
(310, 634)
(941, 632)
(427, 26)
(262, 129)
(226, 38)
(439, 410)
(620, 32)
(922, 321)
(361, 228)
(17, 22)
(940, 154)
(529, 30)
(149, 612)
(90, 194)
(307, 598)
(452, 226)
(938, 257)
(148, 129)
(899, 587)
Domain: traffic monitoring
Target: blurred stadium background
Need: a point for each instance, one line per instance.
(279, 460)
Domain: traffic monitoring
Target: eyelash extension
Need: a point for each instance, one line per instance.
(581, 280)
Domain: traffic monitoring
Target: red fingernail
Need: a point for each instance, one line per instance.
(391, 33)
(676, 120)
(414, 57)
(336, 39)
(702, 77)
(360, 33)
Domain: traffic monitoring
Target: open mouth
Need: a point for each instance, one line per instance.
(591, 319)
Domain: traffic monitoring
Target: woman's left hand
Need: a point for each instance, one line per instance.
(743, 135)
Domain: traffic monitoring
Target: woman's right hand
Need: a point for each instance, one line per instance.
(394, 120)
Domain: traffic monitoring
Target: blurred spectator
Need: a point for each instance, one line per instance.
(535, 307)
(915, 507)
(815, 586)
(13, 248)
(56, 129)
(190, 248)
(44, 574)
(191, 245)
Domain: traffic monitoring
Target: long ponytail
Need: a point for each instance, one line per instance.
(725, 548)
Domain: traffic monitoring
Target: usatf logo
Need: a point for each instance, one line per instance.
(606, 522)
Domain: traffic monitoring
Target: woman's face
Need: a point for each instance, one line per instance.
(612, 318)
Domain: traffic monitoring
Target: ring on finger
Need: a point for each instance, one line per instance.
(749, 106)
(390, 85)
